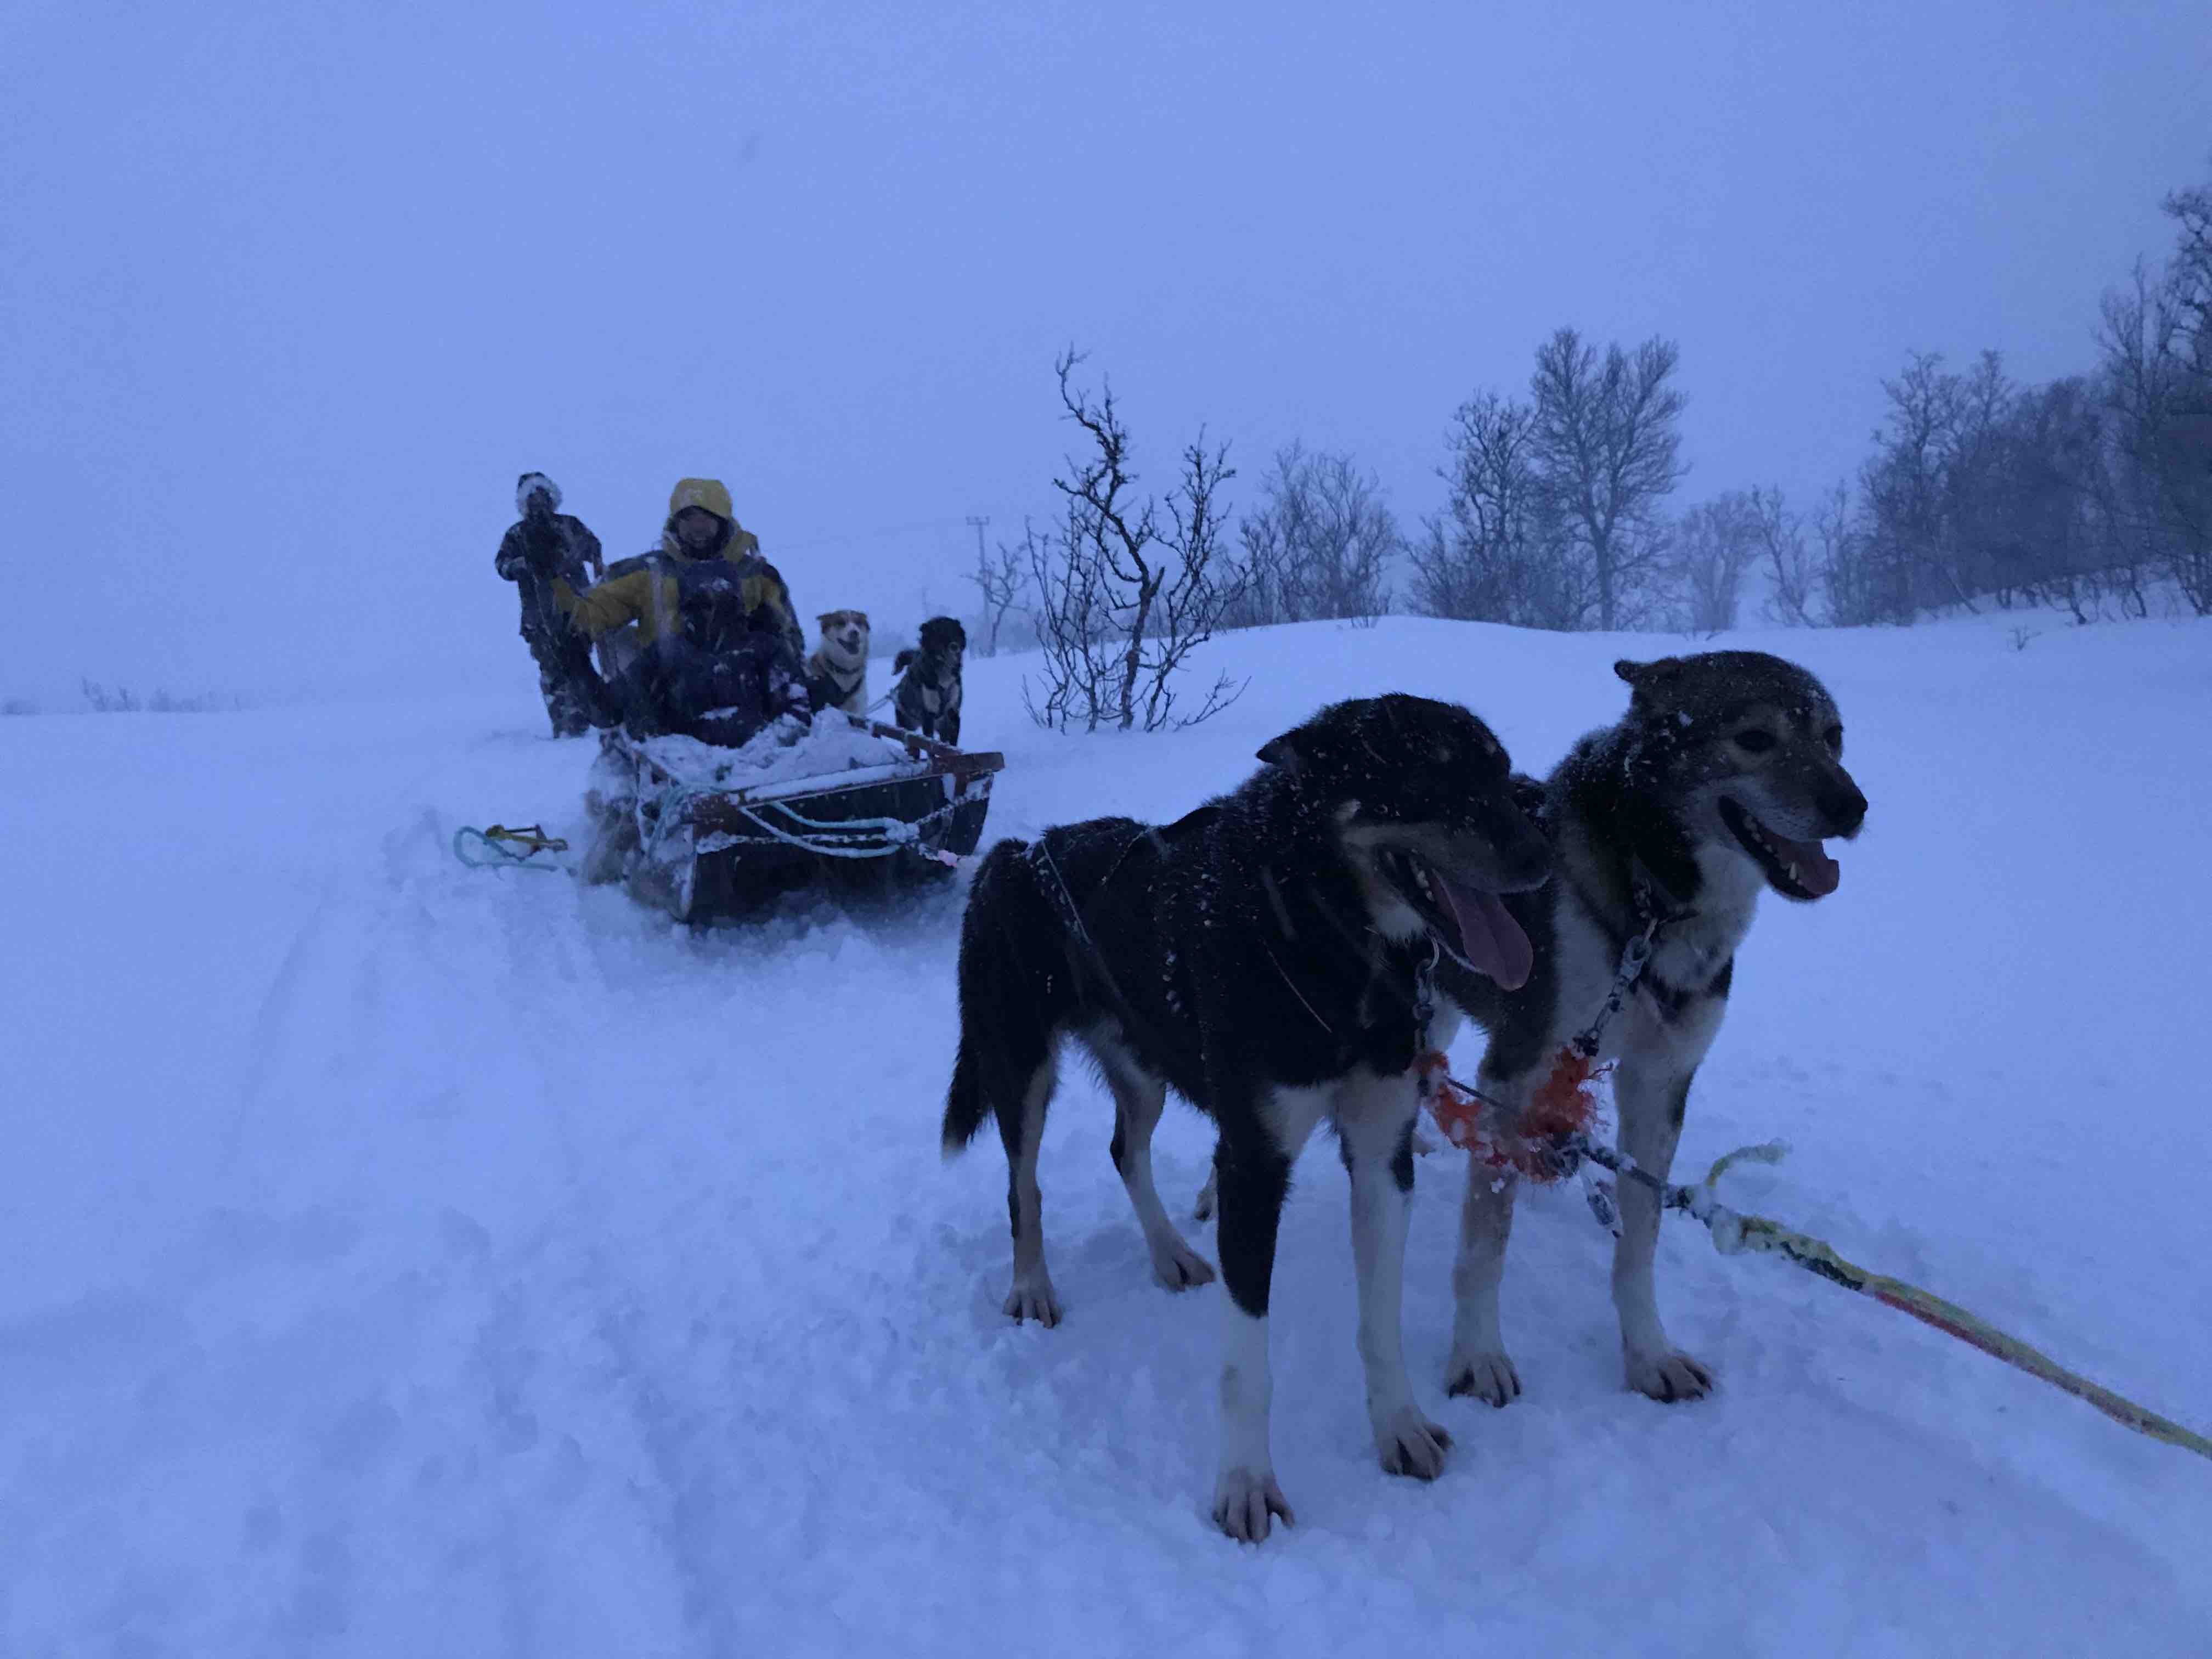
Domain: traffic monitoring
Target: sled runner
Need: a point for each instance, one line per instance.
(706, 832)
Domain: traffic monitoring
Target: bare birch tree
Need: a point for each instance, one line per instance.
(1789, 561)
(2158, 385)
(1712, 549)
(1847, 573)
(1608, 440)
(1497, 552)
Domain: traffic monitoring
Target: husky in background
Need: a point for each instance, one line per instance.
(928, 696)
(837, 669)
(1269, 958)
(1722, 780)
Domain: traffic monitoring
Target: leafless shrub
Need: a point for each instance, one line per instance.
(1000, 579)
(121, 700)
(1713, 547)
(1128, 587)
(1319, 547)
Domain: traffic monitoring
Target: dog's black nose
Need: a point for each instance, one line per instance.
(1844, 808)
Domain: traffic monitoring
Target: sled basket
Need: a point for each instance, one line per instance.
(710, 844)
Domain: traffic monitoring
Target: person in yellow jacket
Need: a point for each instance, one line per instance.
(644, 592)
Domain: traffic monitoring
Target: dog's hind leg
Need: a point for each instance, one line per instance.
(1138, 1103)
(1480, 1365)
(1375, 1125)
(1652, 1102)
(1022, 1130)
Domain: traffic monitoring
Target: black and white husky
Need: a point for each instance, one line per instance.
(1267, 957)
(1722, 780)
(927, 697)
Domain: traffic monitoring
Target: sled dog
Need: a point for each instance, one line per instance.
(1722, 780)
(1267, 957)
(837, 668)
(928, 698)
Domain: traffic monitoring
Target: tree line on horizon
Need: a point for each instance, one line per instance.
(2087, 492)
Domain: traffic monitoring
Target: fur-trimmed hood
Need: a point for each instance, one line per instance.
(529, 484)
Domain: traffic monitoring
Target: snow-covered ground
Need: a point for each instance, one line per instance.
(400, 1259)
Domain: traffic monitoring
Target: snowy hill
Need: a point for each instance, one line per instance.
(402, 1259)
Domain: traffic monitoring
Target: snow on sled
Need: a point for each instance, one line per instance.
(704, 831)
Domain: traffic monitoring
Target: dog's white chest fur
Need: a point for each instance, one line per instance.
(1670, 1012)
(1690, 952)
(843, 668)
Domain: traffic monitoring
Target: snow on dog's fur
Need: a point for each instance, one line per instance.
(1267, 956)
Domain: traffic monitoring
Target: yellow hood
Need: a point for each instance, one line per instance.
(710, 493)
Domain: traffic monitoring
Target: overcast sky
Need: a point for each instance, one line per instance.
(289, 293)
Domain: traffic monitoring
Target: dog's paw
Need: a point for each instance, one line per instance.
(1033, 1298)
(1179, 1267)
(1488, 1376)
(1412, 1445)
(1669, 1378)
(1203, 1210)
(1244, 1501)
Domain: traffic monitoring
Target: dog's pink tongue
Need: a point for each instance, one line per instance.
(1817, 873)
(1492, 940)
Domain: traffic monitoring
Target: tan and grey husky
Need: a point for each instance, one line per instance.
(1722, 780)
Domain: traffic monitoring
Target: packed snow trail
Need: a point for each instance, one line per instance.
(411, 1259)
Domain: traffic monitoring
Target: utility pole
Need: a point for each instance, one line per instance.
(982, 580)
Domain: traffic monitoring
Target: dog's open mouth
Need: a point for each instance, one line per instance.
(1795, 869)
(1478, 930)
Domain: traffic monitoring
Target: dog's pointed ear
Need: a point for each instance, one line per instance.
(1281, 751)
(1647, 676)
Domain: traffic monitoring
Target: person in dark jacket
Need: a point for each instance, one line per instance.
(726, 671)
(543, 547)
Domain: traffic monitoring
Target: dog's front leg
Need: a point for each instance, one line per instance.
(1652, 1100)
(1254, 1176)
(1480, 1365)
(1376, 1127)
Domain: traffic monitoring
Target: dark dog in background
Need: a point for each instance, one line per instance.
(1269, 958)
(927, 700)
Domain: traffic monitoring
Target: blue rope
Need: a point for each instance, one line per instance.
(495, 853)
